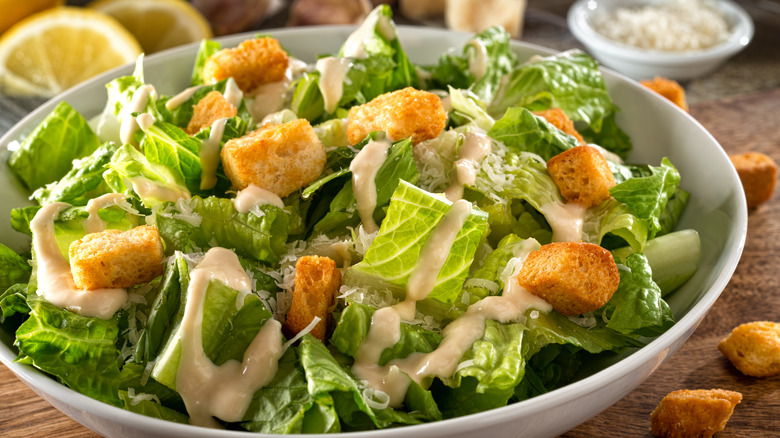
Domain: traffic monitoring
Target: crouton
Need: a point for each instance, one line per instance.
(253, 63)
(574, 277)
(400, 114)
(279, 158)
(316, 281)
(693, 413)
(116, 259)
(582, 175)
(754, 348)
(669, 89)
(758, 173)
(208, 110)
(559, 119)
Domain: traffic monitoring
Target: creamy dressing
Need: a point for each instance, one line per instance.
(93, 223)
(333, 72)
(147, 189)
(364, 168)
(354, 47)
(176, 101)
(434, 253)
(458, 336)
(129, 124)
(55, 280)
(209, 154)
(254, 196)
(233, 94)
(478, 59)
(566, 220)
(223, 391)
(475, 148)
(269, 98)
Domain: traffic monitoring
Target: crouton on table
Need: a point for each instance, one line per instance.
(582, 175)
(669, 89)
(754, 348)
(758, 174)
(279, 158)
(693, 413)
(317, 279)
(116, 259)
(254, 62)
(406, 113)
(574, 277)
(559, 119)
(208, 110)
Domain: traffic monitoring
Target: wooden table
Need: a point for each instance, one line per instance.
(743, 121)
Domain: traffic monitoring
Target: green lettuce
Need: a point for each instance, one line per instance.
(80, 351)
(411, 217)
(83, 182)
(522, 131)
(637, 307)
(46, 154)
(196, 224)
(342, 212)
(454, 68)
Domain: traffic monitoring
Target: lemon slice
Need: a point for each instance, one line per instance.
(15, 11)
(157, 24)
(53, 50)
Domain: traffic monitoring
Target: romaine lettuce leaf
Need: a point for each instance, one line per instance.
(637, 306)
(14, 300)
(196, 224)
(478, 66)
(46, 154)
(83, 182)
(647, 196)
(342, 213)
(154, 183)
(78, 350)
(521, 131)
(411, 217)
(355, 322)
(205, 50)
(13, 268)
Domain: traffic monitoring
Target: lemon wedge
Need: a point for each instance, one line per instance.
(157, 24)
(14, 11)
(50, 51)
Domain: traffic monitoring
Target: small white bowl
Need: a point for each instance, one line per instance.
(641, 63)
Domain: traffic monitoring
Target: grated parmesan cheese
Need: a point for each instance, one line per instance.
(674, 26)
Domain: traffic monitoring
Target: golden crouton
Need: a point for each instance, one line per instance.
(754, 348)
(279, 158)
(116, 259)
(559, 119)
(582, 175)
(574, 277)
(316, 281)
(208, 110)
(400, 114)
(669, 89)
(758, 173)
(693, 413)
(253, 63)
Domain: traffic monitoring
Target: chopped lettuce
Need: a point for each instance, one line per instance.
(46, 154)
(411, 217)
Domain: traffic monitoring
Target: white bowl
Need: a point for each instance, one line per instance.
(717, 210)
(640, 63)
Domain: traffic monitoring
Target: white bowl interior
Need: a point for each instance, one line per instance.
(658, 129)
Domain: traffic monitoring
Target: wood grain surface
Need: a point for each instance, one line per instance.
(746, 123)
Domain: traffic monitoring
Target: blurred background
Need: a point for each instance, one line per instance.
(160, 24)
